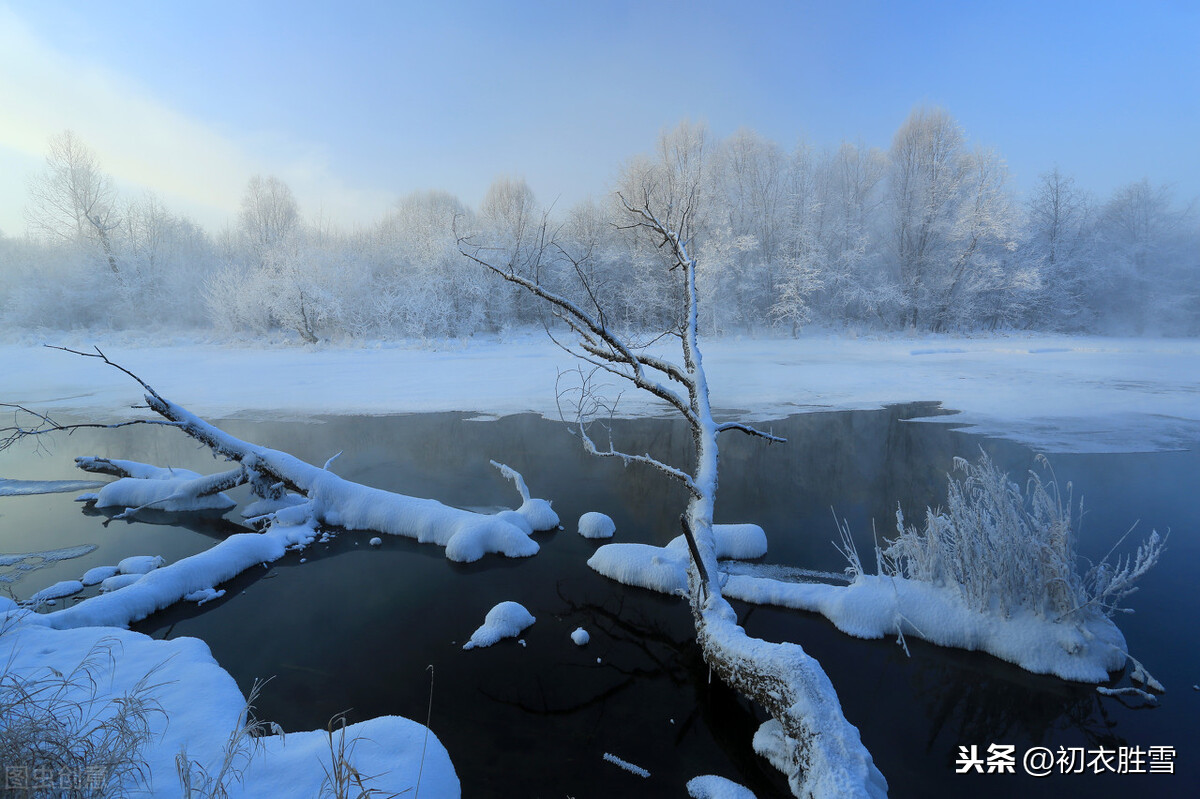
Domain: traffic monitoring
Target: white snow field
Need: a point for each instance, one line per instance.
(1054, 393)
(182, 671)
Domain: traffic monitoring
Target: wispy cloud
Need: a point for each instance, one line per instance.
(143, 142)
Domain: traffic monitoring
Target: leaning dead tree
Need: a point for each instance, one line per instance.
(819, 750)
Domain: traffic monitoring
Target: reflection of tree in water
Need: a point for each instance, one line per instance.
(1002, 703)
(645, 648)
(212, 524)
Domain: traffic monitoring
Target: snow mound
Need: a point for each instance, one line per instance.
(140, 564)
(505, 620)
(642, 565)
(204, 595)
(596, 525)
(56, 591)
(117, 582)
(580, 636)
(99, 574)
(713, 787)
(539, 514)
(734, 541)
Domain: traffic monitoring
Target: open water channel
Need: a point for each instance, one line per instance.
(346, 627)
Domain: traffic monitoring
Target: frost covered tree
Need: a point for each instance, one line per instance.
(1058, 241)
(1148, 262)
(268, 213)
(659, 201)
(73, 200)
(926, 175)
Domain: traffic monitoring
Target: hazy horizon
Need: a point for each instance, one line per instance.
(355, 105)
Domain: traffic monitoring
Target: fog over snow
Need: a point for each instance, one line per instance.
(1053, 393)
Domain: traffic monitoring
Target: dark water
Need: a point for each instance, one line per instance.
(354, 629)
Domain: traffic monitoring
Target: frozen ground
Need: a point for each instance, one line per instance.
(1054, 393)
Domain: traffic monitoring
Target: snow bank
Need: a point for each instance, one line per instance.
(395, 749)
(714, 787)
(876, 606)
(505, 620)
(596, 525)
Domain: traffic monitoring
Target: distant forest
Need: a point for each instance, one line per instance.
(926, 235)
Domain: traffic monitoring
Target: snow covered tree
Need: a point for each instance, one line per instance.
(1058, 244)
(1149, 263)
(855, 286)
(74, 200)
(268, 214)
(926, 175)
(660, 205)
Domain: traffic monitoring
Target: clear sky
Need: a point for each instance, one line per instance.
(357, 103)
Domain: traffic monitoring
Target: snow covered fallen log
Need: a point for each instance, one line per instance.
(163, 587)
(821, 752)
(333, 501)
(143, 486)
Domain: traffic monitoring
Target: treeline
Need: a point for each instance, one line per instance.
(926, 235)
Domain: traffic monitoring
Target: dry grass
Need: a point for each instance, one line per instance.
(61, 738)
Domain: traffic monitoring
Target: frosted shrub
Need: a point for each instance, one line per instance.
(1005, 550)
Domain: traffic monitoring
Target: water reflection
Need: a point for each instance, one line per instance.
(356, 627)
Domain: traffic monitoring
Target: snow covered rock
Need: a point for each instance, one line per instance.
(505, 620)
(596, 525)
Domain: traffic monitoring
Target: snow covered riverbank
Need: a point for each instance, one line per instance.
(1054, 393)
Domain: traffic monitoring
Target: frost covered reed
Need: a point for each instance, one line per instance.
(1007, 550)
(62, 736)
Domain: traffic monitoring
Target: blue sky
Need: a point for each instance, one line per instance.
(355, 104)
